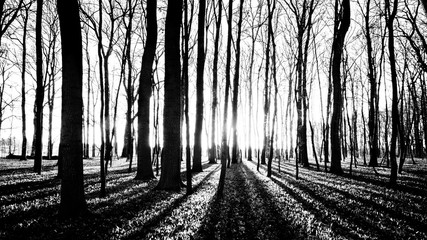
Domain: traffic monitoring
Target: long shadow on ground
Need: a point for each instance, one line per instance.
(245, 211)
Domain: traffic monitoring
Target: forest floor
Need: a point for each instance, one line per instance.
(318, 205)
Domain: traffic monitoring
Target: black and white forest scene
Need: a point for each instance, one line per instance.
(213, 119)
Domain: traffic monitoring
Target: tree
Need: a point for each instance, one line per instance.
(373, 96)
(303, 15)
(197, 158)
(185, 57)
(273, 42)
(72, 190)
(254, 36)
(129, 86)
(7, 16)
(212, 155)
(144, 169)
(236, 86)
(170, 176)
(38, 131)
(25, 17)
(342, 23)
(390, 16)
(224, 145)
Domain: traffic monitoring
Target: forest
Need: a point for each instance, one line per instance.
(213, 119)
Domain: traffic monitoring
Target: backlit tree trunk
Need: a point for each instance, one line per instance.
(144, 168)
(197, 158)
(212, 155)
(235, 151)
(391, 14)
(171, 155)
(72, 190)
(342, 23)
(39, 91)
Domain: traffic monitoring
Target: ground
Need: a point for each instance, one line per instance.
(318, 205)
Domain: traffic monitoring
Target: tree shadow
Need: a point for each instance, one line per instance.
(245, 212)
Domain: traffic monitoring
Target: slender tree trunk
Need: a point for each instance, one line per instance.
(197, 158)
(144, 168)
(129, 92)
(23, 93)
(266, 96)
(372, 122)
(224, 145)
(276, 89)
(186, 37)
(39, 91)
(86, 153)
(394, 108)
(101, 83)
(212, 155)
(236, 80)
(251, 64)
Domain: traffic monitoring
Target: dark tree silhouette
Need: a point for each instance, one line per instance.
(38, 131)
(212, 155)
(144, 169)
(224, 144)
(171, 155)
(390, 16)
(236, 80)
(342, 23)
(197, 158)
(72, 191)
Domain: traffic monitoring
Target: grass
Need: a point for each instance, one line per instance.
(317, 206)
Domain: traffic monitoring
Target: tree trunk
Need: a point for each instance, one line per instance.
(185, 57)
(373, 112)
(101, 83)
(394, 107)
(129, 90)
(197, 158)
(144, 168)
(23, 93)
(236, 80)
(224, 145)
(212, 155)
(86, 153)
(170, 175)
(266, 98)
(342, 24)
(39, 91)
(72, 190)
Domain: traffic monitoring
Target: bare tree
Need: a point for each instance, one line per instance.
(342, 23)
(171, 155)
(197, 158)
(144, 168)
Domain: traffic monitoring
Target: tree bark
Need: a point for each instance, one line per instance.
(342, 23)
(394, 107)
(171, 155)
(72, 190)
(144, 168)
(39, 91)
(224, 145)
(23, 93)
(212, 155)
(236, 79)
(373, 112)
(197, 158)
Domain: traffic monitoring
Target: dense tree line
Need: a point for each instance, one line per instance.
(327, 65)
